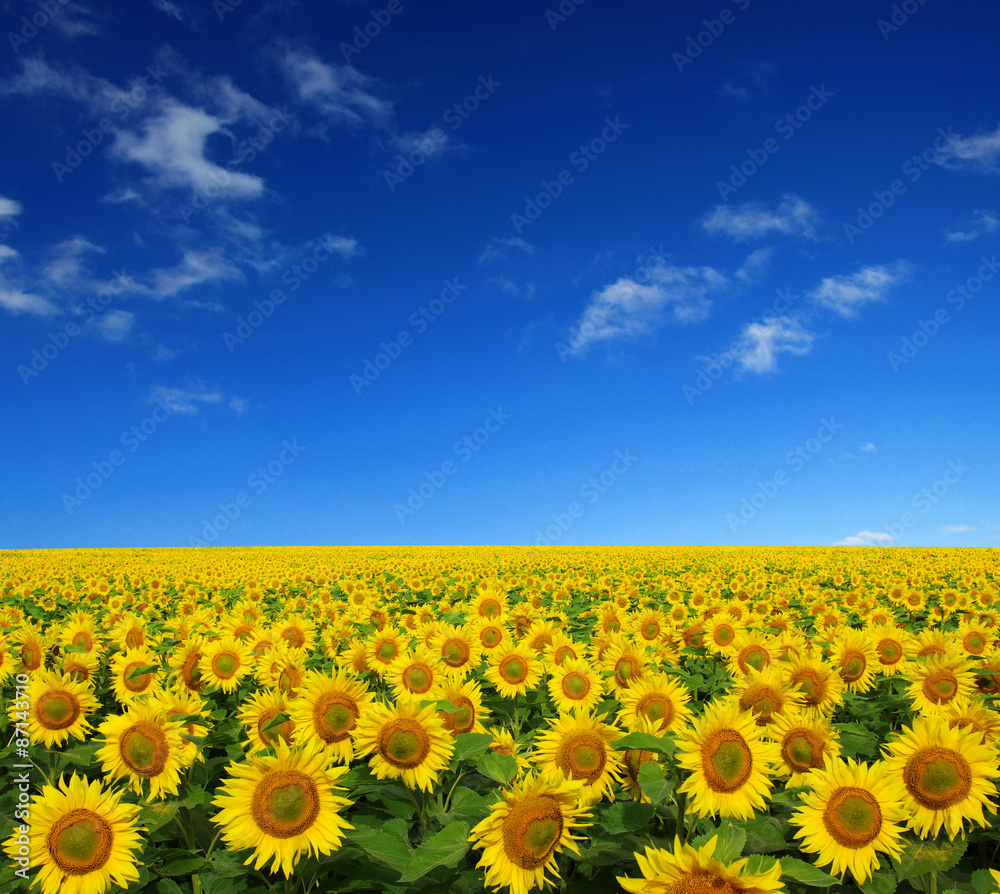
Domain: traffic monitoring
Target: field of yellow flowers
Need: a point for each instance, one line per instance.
(591, 719)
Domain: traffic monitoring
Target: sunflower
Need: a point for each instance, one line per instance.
(406, 742)
(728, 760)
(225, 662)
(575, 684)
(659, 698)
(328, 709)
(283, 806)
(256, 714)
(503, 744)
(489, 633)
(972, 713)
(852, 812)
(298, 632)
(820, 685)
(417, 672)
(856, 658)
(579, 746)
(82, 666)
(946, 773)
(936, 681)
(80, 632)
(283, 667)
(765, 694)
(184, 661)
(526, 830)
(457, 650)
(513, 670)
(142, 745)
(649, 625)
(721, 632)
(28, 648)
(625, 664)
(634, 758)
(468, 698)
(81, 839)
(691, 869)
(129, 632)
(563, 647)
(750, 651)
(892, 644)
(973, 637)
(135, 673)
(929, 643)
(489, 603)
(58, 708)
(804, 742)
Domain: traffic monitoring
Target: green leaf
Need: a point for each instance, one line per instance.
(157, 814)
(187, 866)
(922, 857)
(653, 782)
(730, 843)
(278, 720)
(764, 835)
(498, 767)
(382, 845)
(806, 873)
(663, 745)
(471, 744)
(626, 816)
(758, 863)
(983, 882)
(168, 886)
(441, 705)
(882, 881)
(142, 671)
(856, 740)
(468, 805)
(446, 848)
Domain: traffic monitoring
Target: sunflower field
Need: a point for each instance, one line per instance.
(656, 720)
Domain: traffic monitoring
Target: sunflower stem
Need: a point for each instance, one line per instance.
(681, 803)
(933, 885)
(447, 800)
(265, 880)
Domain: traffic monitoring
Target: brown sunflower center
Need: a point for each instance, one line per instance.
(135, 639)
(764, 701)
(634, 759)
(659, 707)
(513, 669)
(386, 651)
(455, 652)
(940, 686)
(83, 640)
(404, 743)
(575, 686)
(144, 749)
(489, 608)
(723, 635)
(974, 643)
(57, 709)
(626, 669)
(335, 714)
(650, 630)
(463, 719)
(294, 636)
(890, 651)
(269, 737)
(190, 672)
(490, 637)
(852, 666)
(285, 803)
(80, 842)
(753, 657)
(417, 677)
(937, 777)
(225, 665)
(583, 755)
(532, 830)
(726, 760)
(290, 679)
(136, 684)
(812, 684)
(700, 883)
(803, 750)
(852, 817)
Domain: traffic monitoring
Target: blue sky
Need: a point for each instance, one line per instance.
(391, 272)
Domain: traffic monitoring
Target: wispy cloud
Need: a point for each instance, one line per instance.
(761, 344)
(170, 8)
(627, 308)
(195, 268)
(9, 209)
(868, 447)
(494, 253)
(793, 217)
(509, 287)
(186, 399)
(844, 295)
(979, 153)
(865, 538)
(957, 529)
(983, 223)
(755, 265)
(750, 82)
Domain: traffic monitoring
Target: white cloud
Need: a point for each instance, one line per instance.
(794, 217)
(65, 270)
(865, 538)
(172, 148)
(868, 447)
(170, 8)
(978, 153)
(626, 308)
(115, 325)
(492, 253)
(509, 287)
(9, 209)
(17, 301)
(983, 223)
(195, 268)
(185, 400)
(760, 344)
(957, 529)
(755, 265)
(845, 294)
(750, 82)
(345, 246)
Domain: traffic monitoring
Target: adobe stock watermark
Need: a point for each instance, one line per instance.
(246, 151)
(913, 169)
(768, 489)
(435, 479)
(717, 364)
(786, 126)
(590, 491)
(698, 43)
(454, 116)
(41, 19)
(21, 713)
(123, 106)
(927, 329)
(901, 14)
(293, 277)
(132, 439)
(643, 274)
(420, 320)
(258, 481)
(61, 338)
(927, 498)
(581, 158)
(363, 36)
